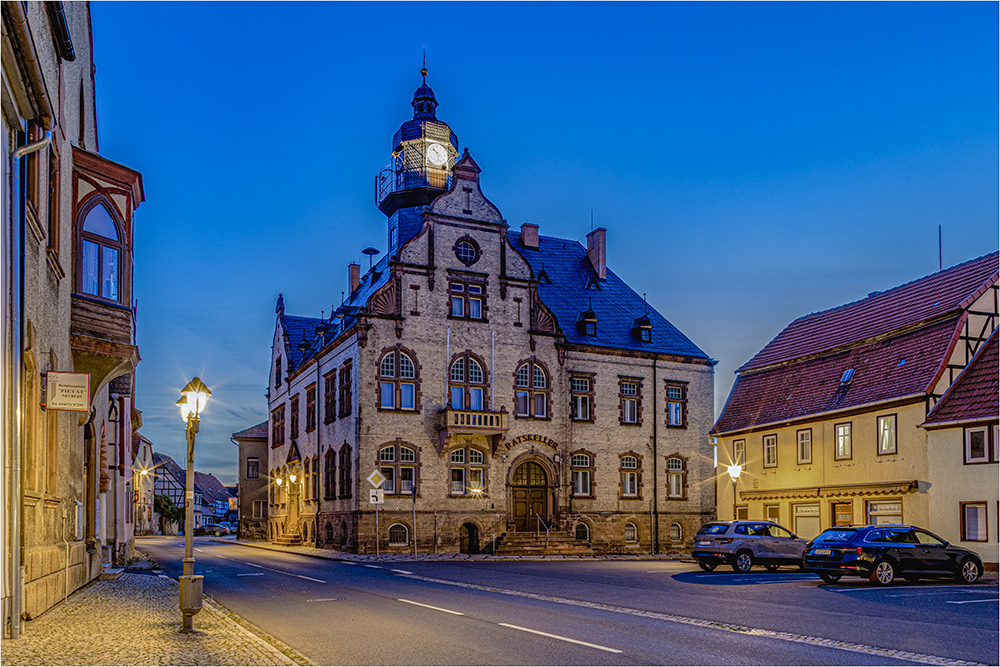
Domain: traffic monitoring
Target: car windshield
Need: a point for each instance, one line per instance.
(836, 535)
(713, 529)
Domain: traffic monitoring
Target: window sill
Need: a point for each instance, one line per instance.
(621, 423)
(582, 421)
(545, 419)
(676, 426)
(468, 319)
(405, 410)
(977, 462)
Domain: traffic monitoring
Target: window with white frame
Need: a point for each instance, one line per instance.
(466, 300)
(676, 532)
(631, 532)
(676, 471)
(676, 405)
(398, 463)
(770, 451)
(467, 384)
(805, 445)
(398, 381)
(531, 386)
(467, 471)
(976, 445)
(740, 452)
(887, 434)
(842, 445)
(628, 395)
(583, 396)
(974, 525)
(630, 476)
(581, 474)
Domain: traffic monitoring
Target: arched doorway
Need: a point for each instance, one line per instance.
(468, 537)
(529, 486)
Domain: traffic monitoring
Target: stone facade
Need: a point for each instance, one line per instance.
(252, 487)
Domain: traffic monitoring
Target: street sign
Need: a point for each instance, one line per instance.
(376, 479)
(376, 496)
(67, 391)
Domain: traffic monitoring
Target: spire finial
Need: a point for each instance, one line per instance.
(423, 68)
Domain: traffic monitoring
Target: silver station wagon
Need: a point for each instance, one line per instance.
(743, 544)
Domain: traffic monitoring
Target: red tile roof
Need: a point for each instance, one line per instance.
(256, 431)
(919, 301)
(886, 369)
(974, 393)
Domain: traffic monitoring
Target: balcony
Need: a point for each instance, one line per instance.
(102, 336)
(472, 422)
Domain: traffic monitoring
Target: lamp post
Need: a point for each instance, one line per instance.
(193, 399)
(734, 474)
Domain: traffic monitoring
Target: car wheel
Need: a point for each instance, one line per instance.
(708, 567)
(884, 573)
(743, 562)
(218, 533)
(969, 571)
(830, 577)
(771, 567)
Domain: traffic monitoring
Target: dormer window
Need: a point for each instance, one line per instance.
(847, 376)
(587, 322)
(642, 329)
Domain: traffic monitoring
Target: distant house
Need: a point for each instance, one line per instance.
(171, 482)
(826, 418)
(252, 485)
(963, 449)
(214, 496)
(144, 483)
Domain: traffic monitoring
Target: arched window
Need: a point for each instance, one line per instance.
(630, 475)
(531, 387)
(631, 532)
(398, 535)
(398, 388)
(582, 474)
(583, 532)
(330, 474)
(101, 251)
(468, 384)
(676, 474)
(306, 479)
(676, 532)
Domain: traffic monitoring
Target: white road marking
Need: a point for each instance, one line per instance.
(403, 571)
(270, 569)
(560, 638)
(374, 567)
(447, 611)
(323, 600)
(251, 574)
(993, 600)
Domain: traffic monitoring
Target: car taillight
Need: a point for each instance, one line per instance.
(853, 550)
(725, 540)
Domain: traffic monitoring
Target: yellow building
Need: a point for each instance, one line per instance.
(826, 419)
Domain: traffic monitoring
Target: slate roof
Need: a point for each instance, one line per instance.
(926, 298)
(255, 431)
(167, 465)
(617, 305)
(974, 393)
(210, 487)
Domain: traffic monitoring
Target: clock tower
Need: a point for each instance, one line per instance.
(424, 150)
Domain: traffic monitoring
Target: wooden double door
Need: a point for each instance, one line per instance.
(529, 496)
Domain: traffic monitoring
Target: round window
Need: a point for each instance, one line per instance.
(467, 251)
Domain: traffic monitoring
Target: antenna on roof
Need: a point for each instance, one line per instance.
(940, 265)
(371, 252)
(645, 306)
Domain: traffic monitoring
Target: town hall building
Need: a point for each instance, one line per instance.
(509, 389)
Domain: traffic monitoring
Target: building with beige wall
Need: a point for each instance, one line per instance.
(826, 419)
(69, 308)
(963, 450)
(503, 383)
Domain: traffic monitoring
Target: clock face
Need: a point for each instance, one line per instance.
(436, 155)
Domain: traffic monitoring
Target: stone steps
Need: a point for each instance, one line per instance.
(532, 544)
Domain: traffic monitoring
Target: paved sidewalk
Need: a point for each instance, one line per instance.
(134, 620)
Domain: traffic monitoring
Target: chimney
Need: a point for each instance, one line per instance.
(596, 252)
(354, 276)
(529, 236)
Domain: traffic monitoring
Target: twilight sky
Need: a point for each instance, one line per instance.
(752, 162)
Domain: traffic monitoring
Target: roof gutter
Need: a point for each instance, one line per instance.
(27, 56)
(64, 42)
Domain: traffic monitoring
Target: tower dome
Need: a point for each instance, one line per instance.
(424, 102)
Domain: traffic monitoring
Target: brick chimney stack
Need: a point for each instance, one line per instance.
(354, 276)
(529, 235)
(596, 251)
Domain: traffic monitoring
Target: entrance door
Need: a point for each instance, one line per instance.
(528, 495)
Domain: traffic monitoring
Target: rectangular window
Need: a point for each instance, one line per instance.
(522, 403)
(974, 526)
(630, 483)
(581, 482)
(475, 398)
(770, 451)
(628, 394)
(540, 405)
(843, 441)
(389, 485)
(388, 395)
(293, 418)
(458, 481)
(406, 480)
(676, 405)
(740, 452)
(457, 306)
(258, 509)
(475, 302)
(458, 398)
(675, 478)
(253, 467)
(278, 426)
(277, 364)
(466, 300)
(580, 407)
(54, 198)
(976, 449)
(329, 397)
(407, 396)
(887, 434)
(476, 479)
(805, 445)
(772, 513)
(311, 407)
(345, 390)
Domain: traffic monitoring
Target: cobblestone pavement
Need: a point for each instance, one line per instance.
(134, 620)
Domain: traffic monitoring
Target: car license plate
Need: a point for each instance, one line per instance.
(704, 543)
(822, 552)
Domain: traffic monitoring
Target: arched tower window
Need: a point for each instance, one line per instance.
(101, 250)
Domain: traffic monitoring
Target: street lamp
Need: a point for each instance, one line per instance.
(193, 399)
(734, 471)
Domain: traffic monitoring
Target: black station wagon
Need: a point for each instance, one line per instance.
(882, 553)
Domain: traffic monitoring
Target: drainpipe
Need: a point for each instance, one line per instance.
(656, 485)
(16, 356)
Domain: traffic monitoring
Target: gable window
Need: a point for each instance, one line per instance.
(740, 452)
(278, 426)
(676, 404)
(101, 250)
(467, 471)
(676, 477)
(468, 384)
(467, 300)
(976, 446)
(253, 467)
(293, 417)
(805, 445)
(467, 250)
(398, 381)
(887, 434)
(629, 400)
(311, 407)
(398, 465)
(770, 451)
(581, 408)
(843, 447)
(629, 464)
(582, 474)
(345, 390)
(329, 397)
(330, 474)
(531, 386)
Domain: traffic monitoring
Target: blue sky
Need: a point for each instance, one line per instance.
(752, 162)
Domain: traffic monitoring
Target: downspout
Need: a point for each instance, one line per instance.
(656, 486)
(17, 224)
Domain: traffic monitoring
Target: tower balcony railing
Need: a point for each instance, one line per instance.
(391, 180)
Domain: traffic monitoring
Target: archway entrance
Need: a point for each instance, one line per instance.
(468, 536)
(528, 489)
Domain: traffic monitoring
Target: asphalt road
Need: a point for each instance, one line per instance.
(586, 612)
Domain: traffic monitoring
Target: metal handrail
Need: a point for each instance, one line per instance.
(547, 530)
(493, 535)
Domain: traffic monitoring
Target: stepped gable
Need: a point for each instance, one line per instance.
(924, 299)
(973, 394)
(570, 286)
